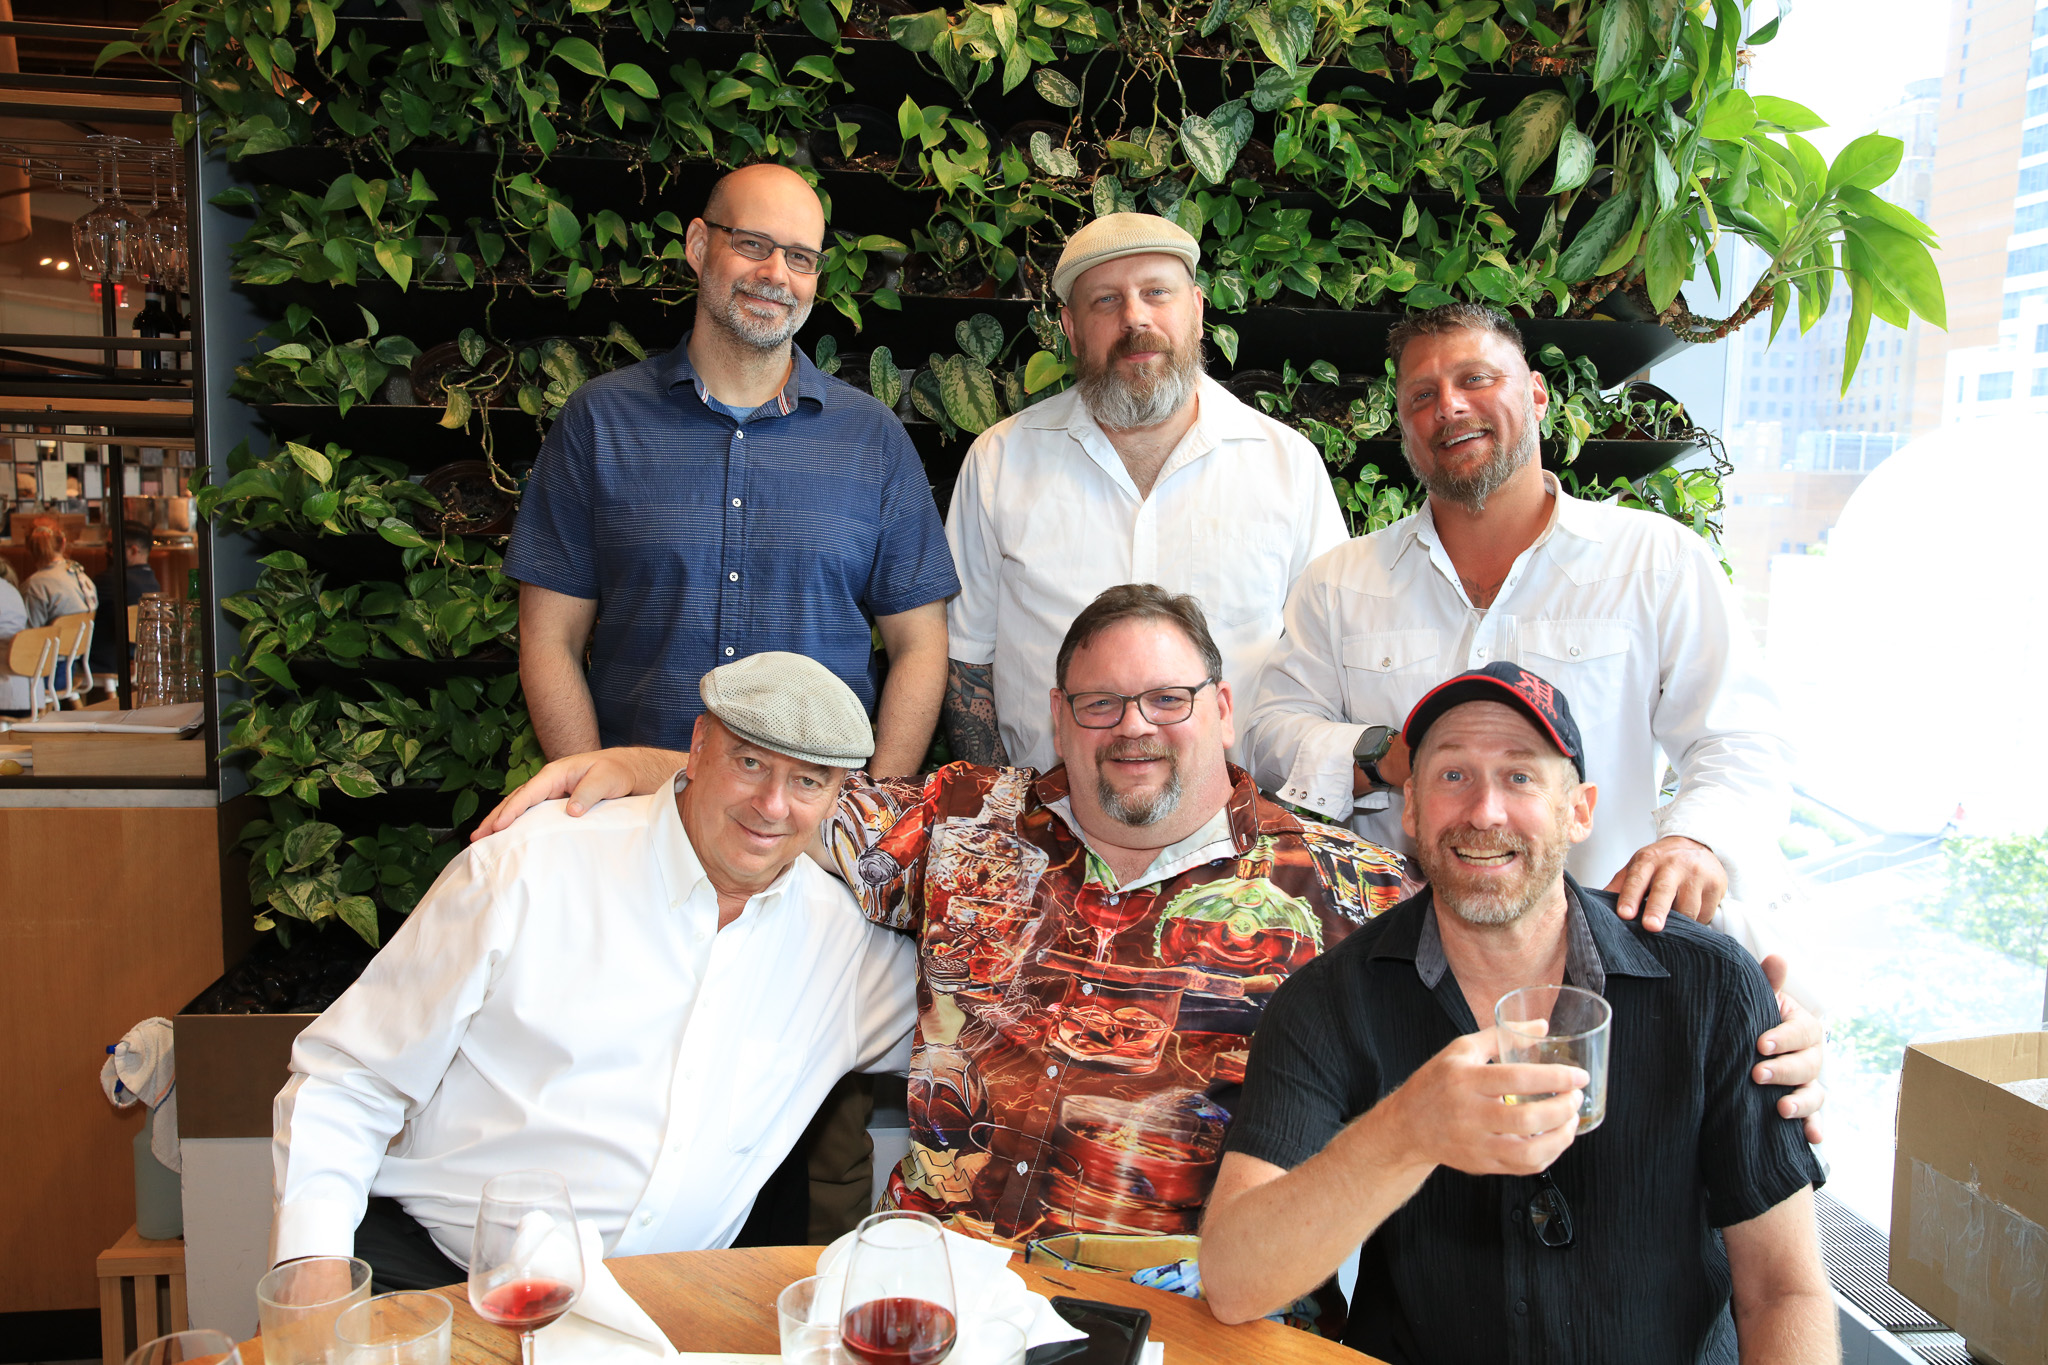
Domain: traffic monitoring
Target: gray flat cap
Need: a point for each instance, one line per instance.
(793, 706)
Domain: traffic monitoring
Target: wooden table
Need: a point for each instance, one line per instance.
(725, 1301)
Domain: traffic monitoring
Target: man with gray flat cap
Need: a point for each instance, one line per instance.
(651, 999)
(1146, 471)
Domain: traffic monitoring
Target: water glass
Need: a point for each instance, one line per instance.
(408, 1328)
(297, 1303)
(200, 1347)
(1560, 1025)
(807, 1316)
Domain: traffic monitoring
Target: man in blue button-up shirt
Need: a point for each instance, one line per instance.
(725, 499)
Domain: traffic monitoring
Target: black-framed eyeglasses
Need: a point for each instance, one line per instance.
(1550, 1217)
(756, 246)
(1159, 705)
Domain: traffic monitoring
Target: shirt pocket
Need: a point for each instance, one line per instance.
(1237, 571)
(764, 1074)
(1401, 664)
(1564, 651)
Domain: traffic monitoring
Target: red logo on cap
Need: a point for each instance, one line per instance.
(1540, 693)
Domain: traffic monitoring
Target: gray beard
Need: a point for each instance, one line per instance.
(1118, 404)
(1472, 491)
(1441, 868)
(1139, 810)
(761, 336)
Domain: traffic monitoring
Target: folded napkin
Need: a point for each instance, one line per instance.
(605, 1327)
(985, 1289)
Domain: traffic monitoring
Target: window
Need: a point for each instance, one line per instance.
(1959, 388)
(2027, 260)
(2033, 180)
(2040, 389)
(2035, 141)
(1991, 387)
(2037, 98)
(2041, 337)
(2033, 217)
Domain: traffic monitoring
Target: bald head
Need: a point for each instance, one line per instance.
(771, 199)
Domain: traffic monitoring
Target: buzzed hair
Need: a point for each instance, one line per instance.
(714, 202)
(1139, 602)
(1452, 317)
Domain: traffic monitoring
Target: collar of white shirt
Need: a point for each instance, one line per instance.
(1573, 516)
(681, 869)
(1218, 418)
(1215, 839)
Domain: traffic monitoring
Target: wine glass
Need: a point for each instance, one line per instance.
(526, 1264)
(898, 1304)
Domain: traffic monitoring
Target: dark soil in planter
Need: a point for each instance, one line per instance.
(968, 281)
(880, 144)
(303, 979)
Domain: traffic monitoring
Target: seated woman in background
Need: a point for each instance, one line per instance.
(14, 695)
(59, 586)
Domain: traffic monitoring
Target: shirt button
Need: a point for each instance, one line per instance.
(1478, 653)
(1052, 1071)
(1521, 1307)
(728, 651)
(734, 577)
(1087, 988)
(1387, 662)
(735, 502)
(1023, 1168)
(1114, 899)
(646, 1218)
(1573, 651)
(739, 436)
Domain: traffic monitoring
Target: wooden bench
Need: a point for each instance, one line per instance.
(142, 1293)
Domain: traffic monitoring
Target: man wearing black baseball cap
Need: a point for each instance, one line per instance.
(1374, 1108)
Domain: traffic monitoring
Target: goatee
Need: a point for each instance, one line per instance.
(1154, 394)
(1483, 901)
(761, 335)
(1138, 809)
(1472, 489)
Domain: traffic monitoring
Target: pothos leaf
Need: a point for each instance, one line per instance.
(1529, 133)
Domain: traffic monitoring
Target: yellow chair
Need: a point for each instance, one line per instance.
(74, 671)
(33, 655)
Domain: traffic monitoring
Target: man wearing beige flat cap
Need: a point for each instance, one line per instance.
(1146, 471)
(651, 999)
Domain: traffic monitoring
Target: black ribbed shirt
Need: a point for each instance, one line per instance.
(1690, 1145)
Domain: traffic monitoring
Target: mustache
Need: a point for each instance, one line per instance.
(1129, 747)
(1444, 438)
(773, 293)
(1485, 842)
(1142, 341)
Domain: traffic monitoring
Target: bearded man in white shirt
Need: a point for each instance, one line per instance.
(651, 1000)
(1625, 610)
(1146, 471)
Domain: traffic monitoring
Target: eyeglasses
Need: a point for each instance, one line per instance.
(756, 247)
(1159, 705)
(1550, 1217)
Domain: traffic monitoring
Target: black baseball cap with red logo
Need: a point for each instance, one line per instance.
(1513, 685)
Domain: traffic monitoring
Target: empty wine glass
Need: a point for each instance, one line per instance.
(202, 1346)
(526, 1263)
(898, 1304)
(109, 241)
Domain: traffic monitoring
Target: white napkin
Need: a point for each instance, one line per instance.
(605, 1327)
(139, 1068)
(985, 1289)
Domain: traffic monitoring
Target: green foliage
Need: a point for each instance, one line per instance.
(1997, 894)
(308, 492)
(305, 365)
(304, 869)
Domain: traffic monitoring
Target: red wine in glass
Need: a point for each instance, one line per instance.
(527, 1305)
(898, 1331)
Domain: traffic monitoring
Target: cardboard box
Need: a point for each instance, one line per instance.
(1970, 1193)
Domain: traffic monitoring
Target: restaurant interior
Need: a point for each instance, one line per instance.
(181, 380)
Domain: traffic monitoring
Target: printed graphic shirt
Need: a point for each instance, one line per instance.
(1080, 1042)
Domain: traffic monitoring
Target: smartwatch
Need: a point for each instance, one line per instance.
(1372, 746)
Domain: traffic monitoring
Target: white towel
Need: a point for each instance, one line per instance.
(605, 1327)
(139, 1069)
(984, 1289)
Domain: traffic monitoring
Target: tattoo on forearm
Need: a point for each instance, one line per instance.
(970, 714)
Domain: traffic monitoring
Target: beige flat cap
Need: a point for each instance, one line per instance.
(791, 705)
(1121, 234)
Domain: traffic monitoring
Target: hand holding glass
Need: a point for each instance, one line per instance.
(1562, 1025)
(526, 1263)
(898, 1305)
(297, 1303)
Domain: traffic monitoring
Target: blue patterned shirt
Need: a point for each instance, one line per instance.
(704, 539)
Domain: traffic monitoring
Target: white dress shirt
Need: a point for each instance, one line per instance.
(1045, 517)
(564, 999)
(1626, 612)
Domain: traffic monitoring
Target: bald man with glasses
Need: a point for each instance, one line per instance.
(727, 499)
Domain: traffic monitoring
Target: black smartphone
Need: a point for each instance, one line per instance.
(1116, 1334)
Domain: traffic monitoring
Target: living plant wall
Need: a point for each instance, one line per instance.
(457, 212)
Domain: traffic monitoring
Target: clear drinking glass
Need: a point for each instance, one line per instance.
(898, 1305)
(1562, 1025)
(199, 1347)
(153, 662)
(526, 1264)
(297, 1303)
(808, 1322)
(408, 1328)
